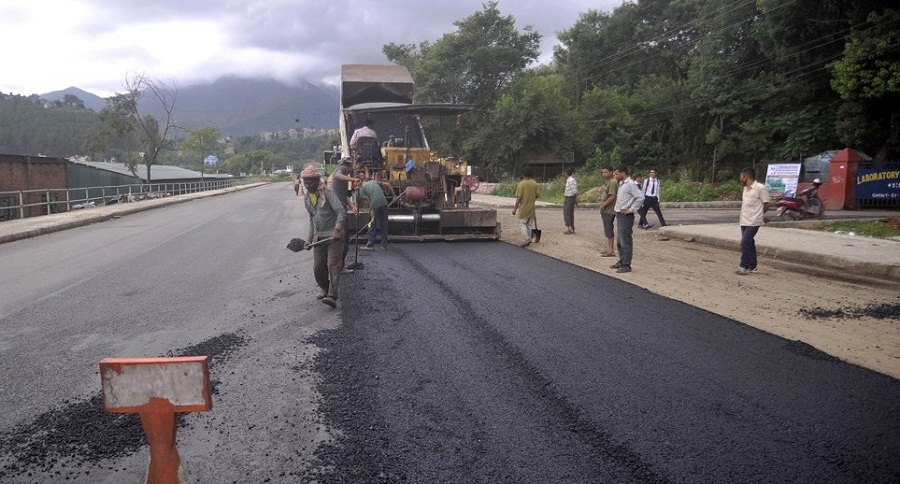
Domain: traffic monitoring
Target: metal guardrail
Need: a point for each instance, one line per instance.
(32, 203)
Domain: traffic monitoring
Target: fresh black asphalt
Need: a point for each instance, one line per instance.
(444, 363)
(487, 363)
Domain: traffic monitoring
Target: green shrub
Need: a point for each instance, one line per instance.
(677, 189)
(881, 229)
(505, 189)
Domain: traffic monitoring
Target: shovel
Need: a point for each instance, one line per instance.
(296, 245)
(535, 233)
(356, 263)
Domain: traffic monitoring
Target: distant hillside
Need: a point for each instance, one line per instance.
(246, 106)
(243, 106)
(91, 101)
(32, 126)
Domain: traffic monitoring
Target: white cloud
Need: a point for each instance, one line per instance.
(95, 44)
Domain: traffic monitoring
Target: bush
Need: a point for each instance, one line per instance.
(678, 189)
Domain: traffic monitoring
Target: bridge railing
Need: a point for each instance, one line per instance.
(33, 203)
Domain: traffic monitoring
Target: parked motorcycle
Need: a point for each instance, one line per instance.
(806, 205)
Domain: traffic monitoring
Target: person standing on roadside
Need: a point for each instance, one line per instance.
(526, 194)
(570, 201)
(651, 200)
(608, 209)
(297, 185)
(754, 203)
(327, 218)
(629, 199)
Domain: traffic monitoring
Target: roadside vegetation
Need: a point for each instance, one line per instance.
(735, 84)
(880, 229)
(678, 188)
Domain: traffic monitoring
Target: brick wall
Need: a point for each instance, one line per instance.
(23, 173)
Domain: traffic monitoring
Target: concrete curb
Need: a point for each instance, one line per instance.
(495, 201)
(817, 260)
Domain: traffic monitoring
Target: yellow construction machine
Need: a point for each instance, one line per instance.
(429, 196)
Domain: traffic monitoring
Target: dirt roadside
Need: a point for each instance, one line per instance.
(703, 276)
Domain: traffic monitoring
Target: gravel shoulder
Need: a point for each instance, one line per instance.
(781, 299)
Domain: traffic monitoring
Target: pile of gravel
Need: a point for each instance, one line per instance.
(362, 450)
(886, 310)
(77, 433)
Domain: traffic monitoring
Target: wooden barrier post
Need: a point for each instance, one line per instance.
(157, 389)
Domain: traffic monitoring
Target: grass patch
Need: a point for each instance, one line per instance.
(879, 229)
(590, 183)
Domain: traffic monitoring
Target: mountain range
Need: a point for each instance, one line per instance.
(238, 106)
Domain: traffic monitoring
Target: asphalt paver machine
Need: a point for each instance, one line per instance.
(429, 196)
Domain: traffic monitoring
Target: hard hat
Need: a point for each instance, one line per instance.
(817, 181)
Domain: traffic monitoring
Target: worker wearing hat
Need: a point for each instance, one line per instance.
(327, 220)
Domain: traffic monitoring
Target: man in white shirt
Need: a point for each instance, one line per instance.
(570, 201)
(369, 152)
(367, 131)
(651, 200)
(754, 203)
(629, 199)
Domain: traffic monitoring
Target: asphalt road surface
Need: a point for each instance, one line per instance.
(445, 362)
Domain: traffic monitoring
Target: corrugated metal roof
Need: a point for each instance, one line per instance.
(158, 172)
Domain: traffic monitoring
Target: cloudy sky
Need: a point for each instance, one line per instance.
(50, 45)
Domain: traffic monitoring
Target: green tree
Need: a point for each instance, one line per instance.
(146, 129)
(867, 78)
(533, 116)
(476, 64)
(253, 162)
(72, 101)
(201, 142)
(472, 65)
(117, 126)
(609, 122)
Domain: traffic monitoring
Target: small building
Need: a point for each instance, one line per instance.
(88, 175)
(85, 173)
(818, 166)
(546, 165)
(36, 185)
(29, 186)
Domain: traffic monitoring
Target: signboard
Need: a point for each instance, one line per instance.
(211, 160)
(877, 184)
(133, 385)
(781, 179)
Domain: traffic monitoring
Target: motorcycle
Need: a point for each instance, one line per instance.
(806, 205)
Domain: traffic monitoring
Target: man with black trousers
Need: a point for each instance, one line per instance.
(651, 200)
